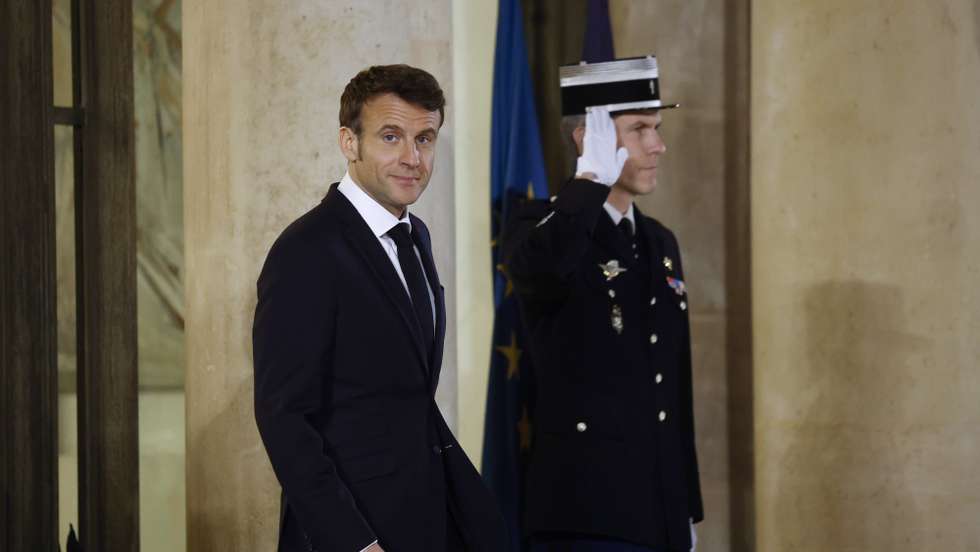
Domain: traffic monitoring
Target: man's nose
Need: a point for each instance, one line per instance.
(410, 155)
(657, 144)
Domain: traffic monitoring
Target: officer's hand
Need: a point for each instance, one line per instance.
(601, 160)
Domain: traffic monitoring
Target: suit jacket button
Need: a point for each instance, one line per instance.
(581, 427)
(436, 449)
(662, 416)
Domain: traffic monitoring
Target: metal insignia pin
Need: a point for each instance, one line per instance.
(545, 219)
(617, 319)
(668, 264)
(611, 269)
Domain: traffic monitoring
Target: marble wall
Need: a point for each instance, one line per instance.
(262, 84)
(865, 141)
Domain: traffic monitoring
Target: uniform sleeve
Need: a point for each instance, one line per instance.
(695, 502)
(542, 248)
(294, 322)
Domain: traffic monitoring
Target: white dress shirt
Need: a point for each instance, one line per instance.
(380, 220)
(616, 216)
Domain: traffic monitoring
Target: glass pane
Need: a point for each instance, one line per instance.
(61, 52)
(64, 171)
(160, 272)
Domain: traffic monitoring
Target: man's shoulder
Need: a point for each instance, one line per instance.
(658, 229)
(531, 208)
(310, 232)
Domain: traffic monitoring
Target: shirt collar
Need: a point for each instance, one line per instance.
(616, 216)
(379, 219)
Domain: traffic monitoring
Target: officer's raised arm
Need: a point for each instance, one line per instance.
(545, 242)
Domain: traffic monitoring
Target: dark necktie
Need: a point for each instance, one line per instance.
(626, 227)
(414, 277)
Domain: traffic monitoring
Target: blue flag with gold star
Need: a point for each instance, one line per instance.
(516, 172)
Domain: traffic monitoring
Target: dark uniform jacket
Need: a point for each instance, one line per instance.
(613, 453)
(344, 397)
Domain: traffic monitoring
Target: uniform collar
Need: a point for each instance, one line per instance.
(616, 216)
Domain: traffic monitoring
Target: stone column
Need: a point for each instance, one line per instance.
(262, 85)
(865, 210)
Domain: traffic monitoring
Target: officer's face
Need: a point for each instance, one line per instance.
(638, 133)
(392, 158)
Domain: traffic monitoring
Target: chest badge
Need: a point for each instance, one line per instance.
(611, 269)
(676, 285)
(668, 263)
(616, 319)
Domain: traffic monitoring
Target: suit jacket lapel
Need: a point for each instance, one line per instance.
(429, 265)
(362, 240)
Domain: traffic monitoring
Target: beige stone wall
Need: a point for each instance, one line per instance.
(865, 201)
(262, 88)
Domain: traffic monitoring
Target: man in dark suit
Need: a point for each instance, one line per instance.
(613, 464)
(348, 340)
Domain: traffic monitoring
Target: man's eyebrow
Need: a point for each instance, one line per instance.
(390, 127)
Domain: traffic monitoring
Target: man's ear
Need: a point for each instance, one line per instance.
(348, 144)
(578, 135)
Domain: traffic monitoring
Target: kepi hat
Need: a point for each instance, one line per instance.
(620, 85)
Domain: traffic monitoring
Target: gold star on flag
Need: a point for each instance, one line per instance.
(524, 429)
(513, 355)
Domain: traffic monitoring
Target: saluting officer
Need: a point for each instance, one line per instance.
(613, 465)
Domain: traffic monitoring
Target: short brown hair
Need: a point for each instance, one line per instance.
(411, 84)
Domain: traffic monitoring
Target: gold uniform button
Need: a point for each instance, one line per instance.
(581, 427)
(662, 416)
(653, 338)
(653, 301)
(612, 293)
(683, 305)
(659, 378)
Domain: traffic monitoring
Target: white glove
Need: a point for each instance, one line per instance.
(694, 537)
(599, 154)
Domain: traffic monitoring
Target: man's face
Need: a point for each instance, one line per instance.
(638, 133)
(392, 158)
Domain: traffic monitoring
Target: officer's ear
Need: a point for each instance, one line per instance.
(578, 135)
(349, 144)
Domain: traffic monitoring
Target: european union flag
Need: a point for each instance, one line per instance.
(598, 43)
(516, 173)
